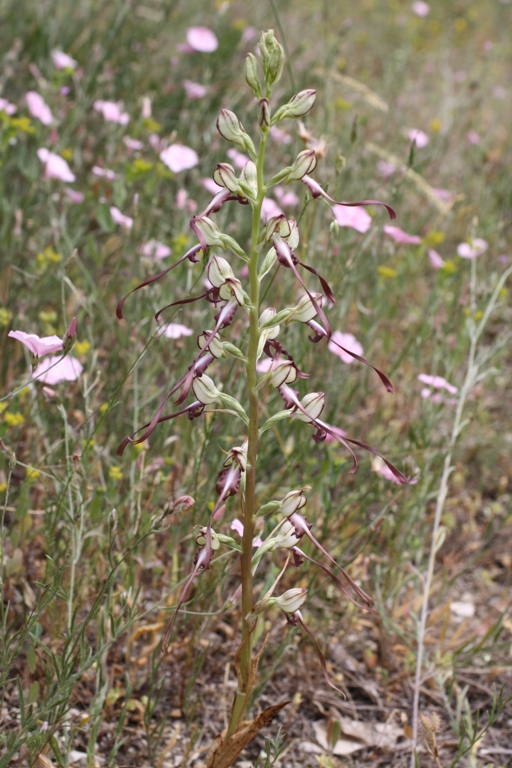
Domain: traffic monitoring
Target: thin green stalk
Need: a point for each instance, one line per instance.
(252, 452)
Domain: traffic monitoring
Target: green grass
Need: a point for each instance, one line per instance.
(89, 556)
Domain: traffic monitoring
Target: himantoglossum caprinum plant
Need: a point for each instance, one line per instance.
(274, 243)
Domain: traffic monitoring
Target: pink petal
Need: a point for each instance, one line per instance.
(420, 8)
(355, 217)
(437, 382)
(176, 331)
(211, 186)
(444, 194)
(194, 90)
(69, 369)
(238, 158)
(155, 250)
(280, 136)
(132, 144)
(61, 60)
(179, 158)
(386, 169)
(419, 137)
(346, 340)
(399, 236)
(473, 137)
(269, 209)
(337, 431)
(38, 108)
(112, 112)
(473, 249)
(74, 196)
(436, 261)
(7, 107)
(286, 196)
(263, 366)
(55, 166)
(39, 346)
(104, 173)
(120, 218)
(202, 39)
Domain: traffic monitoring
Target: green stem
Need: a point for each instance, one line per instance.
(252, 455)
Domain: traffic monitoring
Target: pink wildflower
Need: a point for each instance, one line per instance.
(421, 139)
(399, 236)
(238, 527)
(68, 369)
(346, 340)
(269, 209)
(238, 158)
(179, 158)
(202, 39)
(444, 194)
(280, 136)
(176, 331)
(337, 433)
(386, 169)
(472, 249)
(155, 250)
(38, 108)
(55, 166)
(473, 137)
(74, 195)
(39, 346)
(104, 173)
(420, 8)
(211, 186)
(132, 144)
(61, 60)
(437, 382)
(436, 261)
(112, 112)
(356, 217)
(286, 196)
(120, 218)
(7, 107)
(194, 90)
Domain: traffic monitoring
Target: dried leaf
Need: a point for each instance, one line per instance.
(224, 752)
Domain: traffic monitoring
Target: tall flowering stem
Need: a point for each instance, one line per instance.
(273, 244)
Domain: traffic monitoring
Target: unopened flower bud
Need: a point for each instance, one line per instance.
(205, 390)
(266, 316)
(249, 179)
(285, 538)
(292, 600)
(304, 310)
(214, 345)
(293, 501)
(264, 113)
(285, 372)
(219, 270)
(304, 164)
(297, 107)
(224, 175)
(209, 231)
(272, 57)
(231, 129)
(251, 74)
(68, 342)
(313, 404)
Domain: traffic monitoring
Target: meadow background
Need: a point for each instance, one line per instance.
(89, 561)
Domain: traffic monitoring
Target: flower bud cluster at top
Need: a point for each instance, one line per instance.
(273, 245)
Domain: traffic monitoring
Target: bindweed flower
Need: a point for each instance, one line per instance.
(39, 346)
(202, 39)
(474, 248)
(339, 342)
(54, 370)
(61, 60)
(112, 111)
(179, 158)
(38, 108)
(399, 236)
(119, 218)
(155, 250)
(55, 167)
(356, 218)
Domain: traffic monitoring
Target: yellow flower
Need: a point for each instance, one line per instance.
(32, 473)
(387, 271)
(5, 316)
(3, 487)
(13, 419)
(115, 473)
(82, 347)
